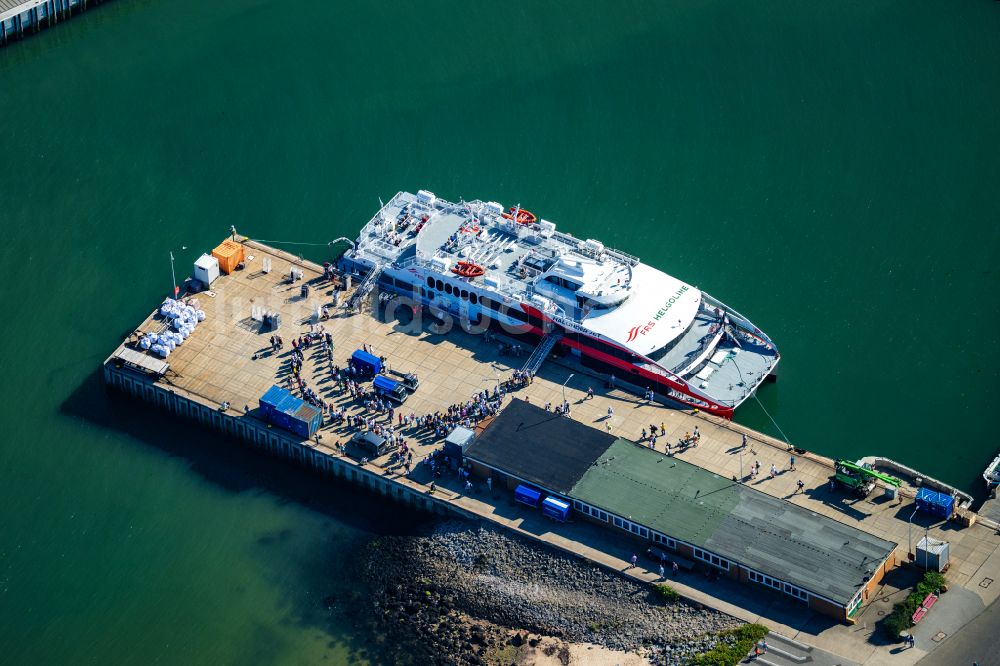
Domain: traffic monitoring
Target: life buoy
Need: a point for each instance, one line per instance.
(523, 216)
(468, 269)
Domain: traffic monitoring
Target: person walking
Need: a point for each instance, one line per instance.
(611, 412)
(663, 572)
(791, 463)
(590, 393)
(799, 486)
(633, 560)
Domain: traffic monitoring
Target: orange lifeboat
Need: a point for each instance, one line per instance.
(523, 216)
(468, 269)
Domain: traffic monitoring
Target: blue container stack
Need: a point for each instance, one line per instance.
(280, 408)
(935, 503)
(269, 401)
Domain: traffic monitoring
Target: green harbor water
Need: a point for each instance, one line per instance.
(830, 170)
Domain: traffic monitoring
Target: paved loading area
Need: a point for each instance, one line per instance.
(228, 359)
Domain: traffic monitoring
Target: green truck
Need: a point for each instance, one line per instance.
(862, 478)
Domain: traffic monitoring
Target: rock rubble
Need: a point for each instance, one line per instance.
(473, 594)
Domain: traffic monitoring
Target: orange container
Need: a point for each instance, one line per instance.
(229, 254)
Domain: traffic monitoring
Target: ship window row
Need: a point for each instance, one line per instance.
(563, 282)
(589, 304)
(447, 288)
(474, 298)
(712, 559)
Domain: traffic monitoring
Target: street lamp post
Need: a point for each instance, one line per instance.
(909, 552)
(173, 276)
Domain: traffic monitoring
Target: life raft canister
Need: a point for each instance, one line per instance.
(468, 269)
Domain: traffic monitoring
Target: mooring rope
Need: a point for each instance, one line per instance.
(783, 435)
(275, 242)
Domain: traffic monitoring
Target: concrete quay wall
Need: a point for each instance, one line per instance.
(19, 18)
(276, 441)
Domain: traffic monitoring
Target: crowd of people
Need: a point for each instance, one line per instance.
(367, 411)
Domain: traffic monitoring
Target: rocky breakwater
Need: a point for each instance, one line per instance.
(472, 594)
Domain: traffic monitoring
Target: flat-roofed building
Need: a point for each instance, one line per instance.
(685, 509)
(528, 444)
(749, 535)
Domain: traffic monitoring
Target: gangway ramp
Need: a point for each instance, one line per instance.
(541, 352)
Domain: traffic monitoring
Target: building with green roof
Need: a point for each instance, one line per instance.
(746, 533)
(684, 510)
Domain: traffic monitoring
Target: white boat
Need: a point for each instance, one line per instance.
(991, 475)
(503, 268)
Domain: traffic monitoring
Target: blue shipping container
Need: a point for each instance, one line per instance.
(281, 413)
(311, 419)
(271, 398)
(935, 503)
(298, 426)
(284, 410)
(281, 419)
(288, 405)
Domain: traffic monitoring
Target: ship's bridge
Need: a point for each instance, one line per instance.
(576, 281)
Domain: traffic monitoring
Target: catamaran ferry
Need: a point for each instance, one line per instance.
(505, 269)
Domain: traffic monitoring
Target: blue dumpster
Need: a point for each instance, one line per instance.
(556, 509)
(526, 495)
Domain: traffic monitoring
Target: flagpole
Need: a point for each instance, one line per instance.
(173, 277)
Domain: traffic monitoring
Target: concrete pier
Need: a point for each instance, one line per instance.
(24, 17)
(227, 360)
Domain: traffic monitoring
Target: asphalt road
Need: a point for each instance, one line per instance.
(978, 642)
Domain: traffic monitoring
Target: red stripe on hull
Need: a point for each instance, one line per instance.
(696, 401)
